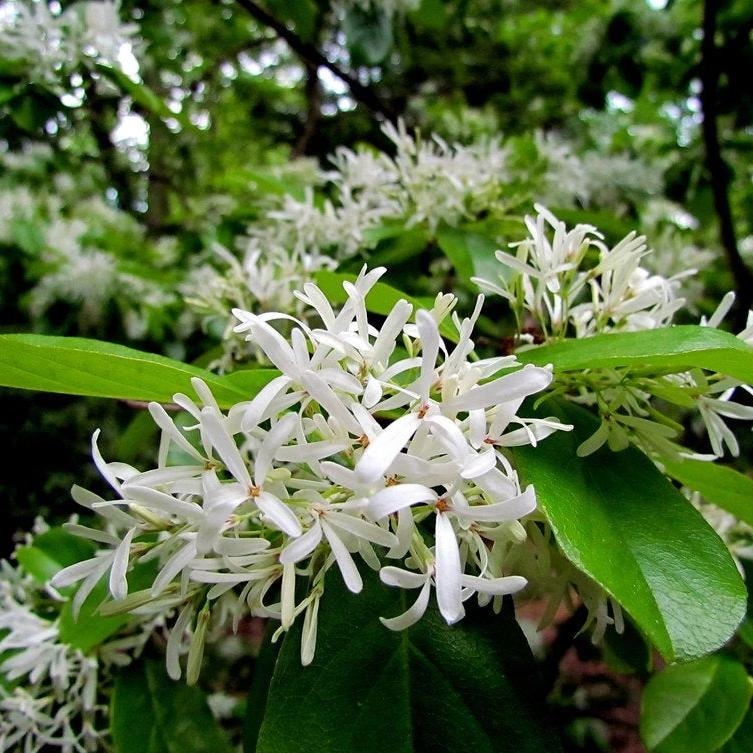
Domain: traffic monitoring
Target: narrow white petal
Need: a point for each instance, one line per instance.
(430, 341)
(225, 446)
(398, 497)
(238, 547)
(277, 436)
(495, 586)
(89, 584)
(478, 463)
(159, 414)
(411, 615)
(396, 576)
(303, 453)
(78, 571)
(287, 596)
(341, 475)
(118, 581)
(405, 526)
(275, 348)
(326, 397)
(448, 432)
(258, 406)
(373, 392)
(173, 567)
(496, 484)
(279, 513)
(303, 546)
(380, 453)
(361, 528)
(166, 503)
(102, 466)
(175, 641)
(448, 571)
(527, 381)
(508, 509)
(348, 569)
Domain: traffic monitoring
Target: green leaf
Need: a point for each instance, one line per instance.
(380, 300)
(140, 93)
(471, 253)
(430, 688)
(150, 713)
(695, 707)
(619, 520)
(90, 628)
(302, 14)
(77, 366)
(670, 349)
(256, 702)
(720, 484)
(368, 34)
(742, 740)
(51, 551)
(399, 247)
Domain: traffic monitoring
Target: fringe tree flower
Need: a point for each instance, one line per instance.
(357, 450)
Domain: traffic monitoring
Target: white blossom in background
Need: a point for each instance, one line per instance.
(593, 177)
(48, 696)
(356, 451)
(52, 45)
(75, 240)
(426, 182)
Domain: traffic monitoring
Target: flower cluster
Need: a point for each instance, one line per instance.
(592, 177)
(569, 282)
(79, 250)
(426, 182)
(52, 45)
(48, 696)
(379, 444)
(564, 282)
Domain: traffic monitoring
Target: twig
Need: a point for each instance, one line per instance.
(314, 58)
(313, 110)
(719, 171)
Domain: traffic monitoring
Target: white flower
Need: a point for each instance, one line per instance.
(310, 473)
(55, 701)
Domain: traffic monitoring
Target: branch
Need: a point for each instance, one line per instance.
(719, 171)
(312, 56)
(313, 111)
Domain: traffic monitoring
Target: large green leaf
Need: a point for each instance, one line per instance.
(78, 366)
(619, 520)
(742, 740)
(695, 707)
(149, 713)
(720, 484)
(469, 687)
(380, 300)
(669, 349)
